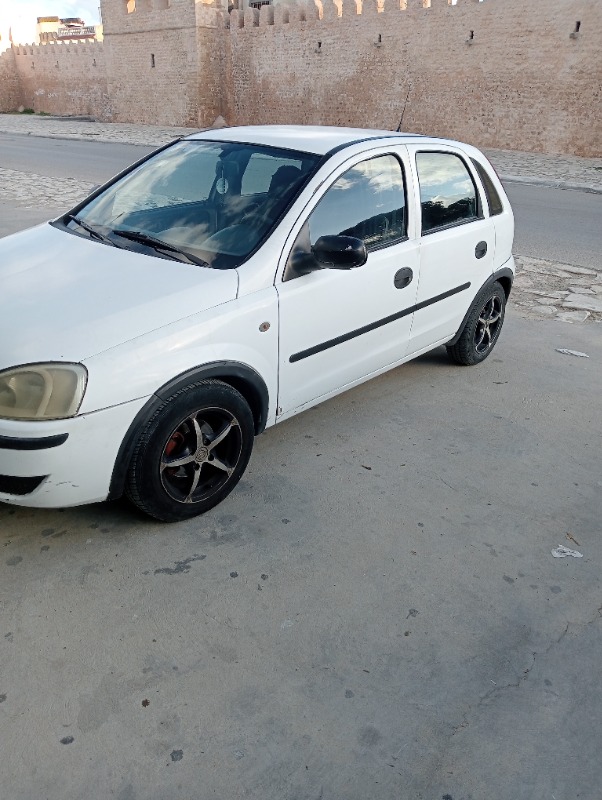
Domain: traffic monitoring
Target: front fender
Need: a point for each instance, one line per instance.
(242, 377)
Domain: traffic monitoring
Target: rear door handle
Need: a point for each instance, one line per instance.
(403, 277)
(481, 249)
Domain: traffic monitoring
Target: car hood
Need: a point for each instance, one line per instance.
(66, 298)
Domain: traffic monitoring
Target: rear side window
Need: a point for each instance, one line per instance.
(447, 192)
(494, 201)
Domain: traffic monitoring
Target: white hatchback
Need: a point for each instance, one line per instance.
(225, 283)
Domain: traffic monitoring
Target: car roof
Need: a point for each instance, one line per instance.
(316, 139)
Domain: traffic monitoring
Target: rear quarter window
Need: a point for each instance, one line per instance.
(494, 201)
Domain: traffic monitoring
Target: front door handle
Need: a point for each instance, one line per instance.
(403, 277)
(481, 249)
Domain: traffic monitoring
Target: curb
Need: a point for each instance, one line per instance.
(91, 137)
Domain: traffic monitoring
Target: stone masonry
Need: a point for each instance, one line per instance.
(521, 82)
(512, 74)
(70, 77)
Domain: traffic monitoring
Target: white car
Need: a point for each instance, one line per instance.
(224, 284)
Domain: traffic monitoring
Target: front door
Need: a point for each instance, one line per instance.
(338, 326)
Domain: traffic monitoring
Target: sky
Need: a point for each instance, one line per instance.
(21, 15)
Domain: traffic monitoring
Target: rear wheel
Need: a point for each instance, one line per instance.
(192, 452)
(482, 328)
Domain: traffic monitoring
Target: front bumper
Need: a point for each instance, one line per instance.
(61, 463)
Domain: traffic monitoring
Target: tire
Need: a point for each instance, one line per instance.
(192, 452)
(482, 328)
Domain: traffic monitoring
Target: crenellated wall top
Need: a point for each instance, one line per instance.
(52, 48)
(291, 12)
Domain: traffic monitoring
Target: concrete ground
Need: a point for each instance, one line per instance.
(374, 613)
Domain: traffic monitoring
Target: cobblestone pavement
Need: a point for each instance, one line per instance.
(65, 128)
(542, 289)
(28, 190)
(549, 289)
(559, 171)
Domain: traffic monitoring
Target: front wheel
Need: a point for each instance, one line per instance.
(192, 452)
(482, 328)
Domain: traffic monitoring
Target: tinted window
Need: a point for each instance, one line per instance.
(265, 171)
(367, 202)
(447, 192)
(215, 201)
(493, 199)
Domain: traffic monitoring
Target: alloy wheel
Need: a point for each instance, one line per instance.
(488, 325)
(201, 455)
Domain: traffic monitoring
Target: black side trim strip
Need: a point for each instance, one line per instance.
(42, 443)
(373, 325)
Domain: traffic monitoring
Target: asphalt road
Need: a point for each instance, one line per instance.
(555, 224)
(90, 161)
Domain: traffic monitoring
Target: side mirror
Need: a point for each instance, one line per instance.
(340, 252)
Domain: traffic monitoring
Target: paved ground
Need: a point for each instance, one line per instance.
(375, 612)
(66, 128)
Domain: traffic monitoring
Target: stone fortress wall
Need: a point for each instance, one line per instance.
(63, 78)
(10, 87)
(517, 74)
(521, 82)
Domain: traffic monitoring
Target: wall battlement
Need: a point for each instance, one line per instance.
(51, 49)
(123, 16)
(293, 12)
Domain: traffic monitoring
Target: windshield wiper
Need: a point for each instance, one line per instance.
(92, 231)
(158, 244)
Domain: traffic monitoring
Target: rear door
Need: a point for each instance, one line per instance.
(457, 242)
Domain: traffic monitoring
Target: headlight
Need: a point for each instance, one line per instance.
(42, 391)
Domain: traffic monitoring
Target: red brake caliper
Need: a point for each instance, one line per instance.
(176, 440)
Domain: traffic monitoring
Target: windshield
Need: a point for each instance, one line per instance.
(208, 203)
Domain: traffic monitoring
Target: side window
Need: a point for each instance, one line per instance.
(447, 193)
(494, 201)
(367, 201)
